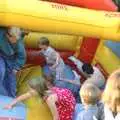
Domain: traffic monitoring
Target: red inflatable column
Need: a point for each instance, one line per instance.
(88, 49)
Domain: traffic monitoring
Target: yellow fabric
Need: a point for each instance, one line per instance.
(61, 42)
(55, 18)
(37, 108)
(107, 58)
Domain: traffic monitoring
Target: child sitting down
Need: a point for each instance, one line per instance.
(60, 101)
(91, 108)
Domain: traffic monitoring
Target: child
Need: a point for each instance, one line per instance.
(70, 85)
(53, 59)
(91, 108)
(57, 67)
(111, 97)
(60, 101)
(90, 71)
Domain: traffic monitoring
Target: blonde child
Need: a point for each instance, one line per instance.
(91, 108)
(60, 101)
(111, 97)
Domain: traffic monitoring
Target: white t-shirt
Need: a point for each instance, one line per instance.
(97, 77)
(109, 115)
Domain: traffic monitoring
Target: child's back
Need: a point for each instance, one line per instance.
(91, 112)
(90, 109)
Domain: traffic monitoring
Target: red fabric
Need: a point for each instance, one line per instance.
(39, 60)
(88, 49)
(65, 104)
(107, 5)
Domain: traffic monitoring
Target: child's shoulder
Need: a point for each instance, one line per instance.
(50, 50)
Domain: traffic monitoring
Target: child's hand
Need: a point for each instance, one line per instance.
(53, 67)
(8, 107)
(55, 118)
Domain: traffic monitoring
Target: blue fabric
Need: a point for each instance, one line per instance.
(68, 75)
(19, 58)
(85, 114)
(18, 112)
(114, 46)
(10, 83)
(13, 53)
(5, 46)
(78, 109)
(3, 90)
(7, 80)
(96, 111)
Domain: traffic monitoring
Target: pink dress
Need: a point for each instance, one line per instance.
(65, 104)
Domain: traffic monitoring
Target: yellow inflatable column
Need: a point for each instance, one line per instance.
(106, 58)
(58, 41)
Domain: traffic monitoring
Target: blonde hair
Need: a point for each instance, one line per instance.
(111, 95)
(90, 93)
(15, 31)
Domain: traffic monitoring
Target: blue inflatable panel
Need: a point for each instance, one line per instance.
(114, 46)
(16, 113)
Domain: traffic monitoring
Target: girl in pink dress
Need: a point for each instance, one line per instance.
(60, 101)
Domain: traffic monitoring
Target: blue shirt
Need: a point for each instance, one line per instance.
(13, 54)
(92, 112)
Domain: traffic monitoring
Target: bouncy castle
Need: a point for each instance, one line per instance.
(88, 30)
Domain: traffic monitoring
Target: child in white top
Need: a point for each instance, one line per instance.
(111, 97)
(53, 59)
(57, 67)
(90, 71)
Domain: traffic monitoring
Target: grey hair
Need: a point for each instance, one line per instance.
(15, 31)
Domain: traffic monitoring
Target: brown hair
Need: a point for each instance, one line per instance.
(111, 95)
(44, 41)
(39, 84)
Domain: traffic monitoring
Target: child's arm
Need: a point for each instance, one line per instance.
(75, 82)
(36, 53)
(21, 98)
(57, 60)
(51, 103)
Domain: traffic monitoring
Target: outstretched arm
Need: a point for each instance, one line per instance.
(74, 82)
(21, 98)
